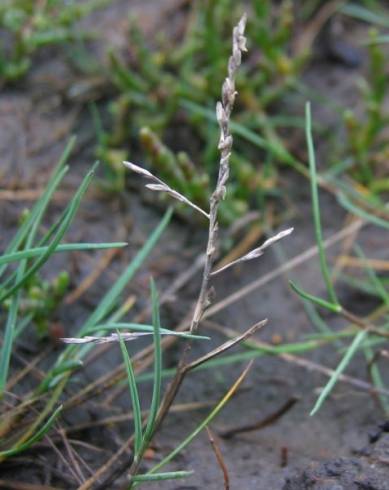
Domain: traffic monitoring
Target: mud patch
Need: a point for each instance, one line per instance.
(369, 471)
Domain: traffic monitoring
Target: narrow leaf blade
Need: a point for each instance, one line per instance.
(358, 339)
(134, 397)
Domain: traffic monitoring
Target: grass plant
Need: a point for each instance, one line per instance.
(364, 327)
(30, 250)
(155, 92)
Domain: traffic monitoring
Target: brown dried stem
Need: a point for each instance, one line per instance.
(219, 458)
(262, 423)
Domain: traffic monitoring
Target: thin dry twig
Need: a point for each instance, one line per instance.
(357, 263)
(30, 366)
(64, 461)
(97, 477)
(31, 195)
(363, 324)
(261, 424)
(219, 458)
(226, 346)
(71, 453)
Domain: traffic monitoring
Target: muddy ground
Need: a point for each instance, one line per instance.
(328, 451)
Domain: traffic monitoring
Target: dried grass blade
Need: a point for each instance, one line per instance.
(158, 185)
(257, 252)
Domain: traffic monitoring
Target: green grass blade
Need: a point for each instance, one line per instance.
(316, 319)
(349, 206)
(157, 362)
(374, 279)
(55, 228)
(316, 207)
(35, 438)
(6, 349)
(358, 339)
(361, 284)
(73, 207)
(336, 308)
(35, 215)
(27, 232)
(66, 247)
(66, 366)
(169, 475)
(138, 440)
(361, 13)
(39, 207)
(105, 306)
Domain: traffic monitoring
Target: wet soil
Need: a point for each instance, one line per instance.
(367, 470)
(328, 451)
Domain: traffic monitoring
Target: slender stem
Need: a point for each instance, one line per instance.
(223, 113)
(316, 207)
